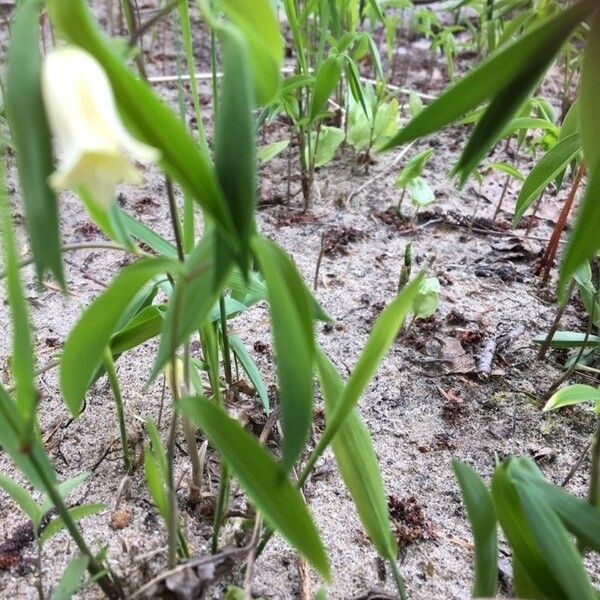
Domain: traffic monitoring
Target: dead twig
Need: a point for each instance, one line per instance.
(491, 347)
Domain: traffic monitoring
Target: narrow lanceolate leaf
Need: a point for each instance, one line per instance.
(292, 321)
(249, 366)
(583, 241)
(579, 517)
(265, 482)
(11, 427)
(22, 349)
(84, 348)
(32, 140)
(590, 92)
(197, 290)
(71, 580)
(552, 164)
(555, 545)
(482, 516)
(149, 118)
(258, 24)
(514, 70)
(22, 498)
(77, 513)
(504, 105)
(533, 577)
(328, 76)
(235, 144)
(382, 336)
(573, 394)
(356, 459)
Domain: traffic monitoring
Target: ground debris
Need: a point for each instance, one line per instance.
(390, 216)
(337, 240)
(409, 521)
(493, 344)
(192, 579)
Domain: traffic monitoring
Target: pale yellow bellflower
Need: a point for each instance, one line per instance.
(96, 151)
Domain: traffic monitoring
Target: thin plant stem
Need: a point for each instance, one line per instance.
(594, 489)
(109, 585)
(175, 224)
(573, 366)
(398, 579)
(553, 328)
(225, 338)
(82, 246)
(111, 372)
(38, 562)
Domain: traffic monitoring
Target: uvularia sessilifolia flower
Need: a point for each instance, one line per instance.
(96, 151)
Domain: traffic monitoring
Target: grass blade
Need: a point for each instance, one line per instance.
(84, 348)
(262, 479)
(358, 465)
(292, 320)
(482, 516)
(32, 140)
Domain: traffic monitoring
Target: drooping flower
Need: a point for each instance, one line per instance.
(96, 151)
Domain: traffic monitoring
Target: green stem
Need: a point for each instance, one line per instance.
(111, 372)
(38, 561)
(398, 580)
(109, 586)
(225, 337)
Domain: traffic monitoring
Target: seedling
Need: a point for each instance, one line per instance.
(410, 179)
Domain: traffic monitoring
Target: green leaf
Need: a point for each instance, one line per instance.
(194, 295)
(64, 489)
(357, 462)
(84, 348)
(262, 479)
(328, 76)
(583, 241)
(149, 118)
(330, 139)
(508, 169)
(77, 513)
(71, 580)
(382, 337)
(290, 304)
(482, 517)
(415, 104)
(147, 324)
(22, 498)
(235, 146)
(579, 517)
(554, 162)
(270, 151)
(32, 140)
(241, 352)
(560, 554)
(23, 357)
(11, 427)
(527, 557)
(589, 94)
(413, 168)
(258, 23)
(420, 192)
(570, 339)
(507, 77)
(572, 394)
(427, 299)
(148, 236)
(155, 483)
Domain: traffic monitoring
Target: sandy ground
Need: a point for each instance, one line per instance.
(425, 405)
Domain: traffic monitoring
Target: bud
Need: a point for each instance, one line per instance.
(175, 377)
(96, 151)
